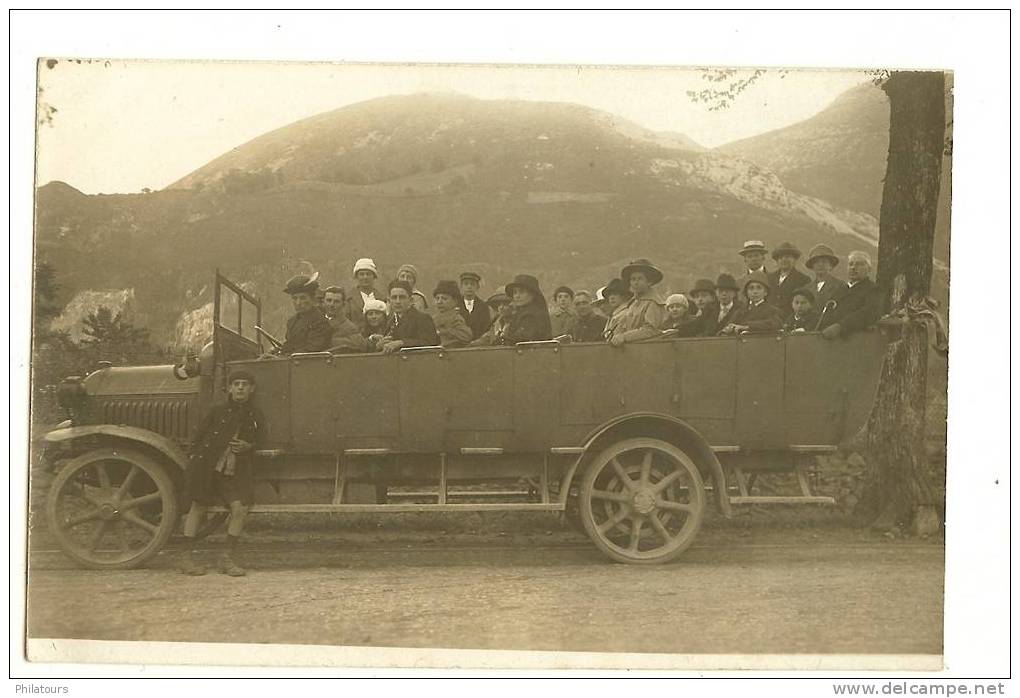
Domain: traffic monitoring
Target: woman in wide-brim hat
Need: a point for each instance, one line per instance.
(530, 321)
(651, 272)
(643, 316)
(821, 252)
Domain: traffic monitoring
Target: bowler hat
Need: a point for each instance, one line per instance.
(702, 285)
(806, 292)
(618, 287)
(302, 284)
(819, 252)
(756, 277)
(786, 248)
(525, 281)
(497, 298)
(470, 276)
(448, 287)
(650, 271)
(726, 281)
(753, 246)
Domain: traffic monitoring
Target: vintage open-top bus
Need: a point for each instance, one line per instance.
(635, 440)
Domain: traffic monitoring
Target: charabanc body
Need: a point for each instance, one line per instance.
(636, 441)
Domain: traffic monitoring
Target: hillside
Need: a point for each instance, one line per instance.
(446, 182)
(838, 155)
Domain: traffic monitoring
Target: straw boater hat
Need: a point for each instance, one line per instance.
(302, 284)
(448, 287)
(525, 281)
(754, 246)
(758, 277)
(650, 271)
(786, 248)
(819, 252)
(726, 281)
(365, 263)
(702, 285)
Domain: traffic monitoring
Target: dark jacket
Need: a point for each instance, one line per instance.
(857, 308)
(685, 327)
(809, 322)
(479, 319)
(530, 323)
(711, 323)
(589, 328)
(214, 433)
(346, 338)
(831, 287)
(781, 294)
(763, 317)
(414, 328)
(307, 331)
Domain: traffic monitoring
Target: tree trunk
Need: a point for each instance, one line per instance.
(898, 489)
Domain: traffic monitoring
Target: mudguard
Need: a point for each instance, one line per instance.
(167, 447)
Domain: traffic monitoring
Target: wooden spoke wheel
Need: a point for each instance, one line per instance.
(642, 501)
(112, 508)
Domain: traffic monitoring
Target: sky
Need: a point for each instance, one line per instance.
(120, 126)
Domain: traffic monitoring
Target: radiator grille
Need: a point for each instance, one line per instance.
(166, 417)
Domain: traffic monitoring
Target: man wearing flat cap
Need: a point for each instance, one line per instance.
(786, 278)
(641, 317)
(307, 329)
(476, 313)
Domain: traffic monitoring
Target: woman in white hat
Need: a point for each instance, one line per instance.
(365, 276)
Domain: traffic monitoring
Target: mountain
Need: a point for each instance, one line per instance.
(838, 155)
(446, 182)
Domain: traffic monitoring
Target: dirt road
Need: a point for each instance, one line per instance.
(837, 591)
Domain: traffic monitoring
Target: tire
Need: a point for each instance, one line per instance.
(113, 497)
(666, 500)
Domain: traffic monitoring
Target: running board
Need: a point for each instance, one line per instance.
(394, 508)
(799, 499)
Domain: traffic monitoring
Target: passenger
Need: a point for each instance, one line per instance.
(419, 302)
(308, 329)
(679, 319)
(220, 469)
(753, 252)
(588, 326)
(409, 273)
(365, 276)
(802, 317)
(822, 260)
(500, 305)
(599, 304)
(562, 315)
(346, 336)
(642, 316)
(475, 313)
(703, 297)
(453, 330)
(617, 293)
(721, 313)
(406, 327)
(787, 278)
(758, 315)
(530, 320)
(374, 327)
(856, 307)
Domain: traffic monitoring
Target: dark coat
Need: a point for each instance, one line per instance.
(781, 294)
(589, 328)
(856, 308)
(711, 324)
(809, 322)
(307, 331)
(215, 431)
(686, 327)
(530, 323)
(479, 319)
(763, 317)
(831, 287)
(413, 328)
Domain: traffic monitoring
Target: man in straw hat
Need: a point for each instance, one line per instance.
(754, 253)
(307, 329)
(475, 313)
(219, 470)
(365, 276)
(786, 278)
(822, 260)
(642, 316)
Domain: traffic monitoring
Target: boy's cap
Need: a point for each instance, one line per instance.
(757, 277)
(806, 292)
(242, 375)
(703, 285)
(302, 284)
(564, 289)
(366, 263)
(753, 246)
(471, 276)
(726, 281)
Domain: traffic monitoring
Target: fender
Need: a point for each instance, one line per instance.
(702, 450)
(166, 446)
